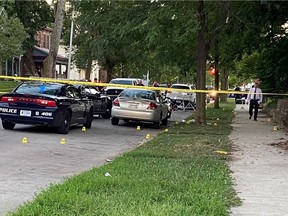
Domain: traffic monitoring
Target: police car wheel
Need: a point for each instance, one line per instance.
(89, 120)
(107, 114)
(114, 121)
(65, 124)
(8, 125)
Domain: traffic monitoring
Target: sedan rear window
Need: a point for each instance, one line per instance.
(122, 82)
(180, 87)
(134, 93)
(41, 88)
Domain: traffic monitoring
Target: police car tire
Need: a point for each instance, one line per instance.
(107, 114)
(8, 125)
(89, 120)
(114, 121)
(65, 124)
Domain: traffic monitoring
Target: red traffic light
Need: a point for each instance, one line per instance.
(212, 71)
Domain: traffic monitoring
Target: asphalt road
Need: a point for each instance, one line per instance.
(28, 168)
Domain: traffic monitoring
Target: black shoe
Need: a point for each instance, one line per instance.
(250, 117)
(255, 119)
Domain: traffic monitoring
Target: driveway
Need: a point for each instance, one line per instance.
(26, 169)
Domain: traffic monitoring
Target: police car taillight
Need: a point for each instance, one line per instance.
(6, 99)
(116, 102)
(47, 103)
(41, 102)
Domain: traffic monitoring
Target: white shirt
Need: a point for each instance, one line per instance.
(258, 94)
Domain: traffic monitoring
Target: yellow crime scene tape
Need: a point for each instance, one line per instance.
(128, 86)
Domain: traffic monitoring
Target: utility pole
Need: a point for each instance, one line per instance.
(70, 46)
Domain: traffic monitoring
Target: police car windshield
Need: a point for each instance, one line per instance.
(39, 88)
(121, 82)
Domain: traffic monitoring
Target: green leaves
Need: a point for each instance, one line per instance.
(12, 34)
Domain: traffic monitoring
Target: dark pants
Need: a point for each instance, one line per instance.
(253, 105)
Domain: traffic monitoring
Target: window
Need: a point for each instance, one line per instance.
(141, 94)
(38, 87)
(123, 82)
(73, 93)
(180, 87)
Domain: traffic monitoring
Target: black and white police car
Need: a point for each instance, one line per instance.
(49, 104)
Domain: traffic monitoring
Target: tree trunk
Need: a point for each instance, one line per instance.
(49, 63)
(28, 64)
(201, 66)
(224, 85)
(216, 58)
(110, 67)
(88, 69)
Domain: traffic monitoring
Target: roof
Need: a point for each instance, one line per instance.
(39, 54)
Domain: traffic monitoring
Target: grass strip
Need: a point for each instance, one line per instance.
(178, 172)
(7, 86)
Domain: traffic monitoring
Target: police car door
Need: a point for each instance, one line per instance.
(77, 104)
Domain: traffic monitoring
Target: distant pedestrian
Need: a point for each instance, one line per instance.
(140, 83)
(155, 84)
(254, 99)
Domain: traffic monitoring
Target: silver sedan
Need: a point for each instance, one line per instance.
(140, 105)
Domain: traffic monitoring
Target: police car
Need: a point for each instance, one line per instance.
(55, 105)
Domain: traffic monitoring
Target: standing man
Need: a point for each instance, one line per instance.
(254, 98)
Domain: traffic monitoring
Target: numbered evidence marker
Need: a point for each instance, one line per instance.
(24, 140)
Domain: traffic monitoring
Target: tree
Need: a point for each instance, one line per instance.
(248, 44)
(34, 15)
(12, 34)
(50, 61)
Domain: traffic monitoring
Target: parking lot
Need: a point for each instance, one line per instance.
(27, 168)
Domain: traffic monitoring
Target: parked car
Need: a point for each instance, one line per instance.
(47, 104)
(164, 85)
(102, 104)
(180, 98)
(140, 105)
(114, 91)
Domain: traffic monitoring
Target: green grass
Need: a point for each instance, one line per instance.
(7, 86)
(176, 173)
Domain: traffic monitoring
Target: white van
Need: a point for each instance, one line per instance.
(179, 97)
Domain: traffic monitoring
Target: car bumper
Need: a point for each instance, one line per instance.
(50, 117)
(149, 115)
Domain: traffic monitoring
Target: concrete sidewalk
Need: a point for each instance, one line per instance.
(259, 169)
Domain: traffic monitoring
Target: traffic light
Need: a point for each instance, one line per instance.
(212, 71)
